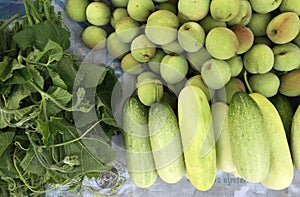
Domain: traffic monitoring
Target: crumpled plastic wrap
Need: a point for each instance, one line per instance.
(117, 183)
(226, 184)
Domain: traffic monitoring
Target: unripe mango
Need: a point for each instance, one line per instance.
(75, 9)
(283, 28)
(150, 91)
(139, 10)
(259, 59)
(265, 6)
(245, 37)
(244, 16)
(290, 83)
(161, 27)
(193, 10)
(224, 10)
(222, 43)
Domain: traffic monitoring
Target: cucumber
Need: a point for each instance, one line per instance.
(166, 142)
(225, 161)
(295, 138)
(286, 112)
(281, 171)
(197, 134)
(139, 159)
(249, 140)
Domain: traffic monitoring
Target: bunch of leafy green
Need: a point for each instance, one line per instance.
(40, 94)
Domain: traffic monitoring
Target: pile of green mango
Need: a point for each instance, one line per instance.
(217, 86)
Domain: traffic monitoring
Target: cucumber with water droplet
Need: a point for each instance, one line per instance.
(166, 142)
(140, 162)
(250, 147)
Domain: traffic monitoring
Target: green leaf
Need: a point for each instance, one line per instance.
(37, 78)
(52, 52)
(2, 122)
(38, 35)
(49, 129)
(9, 71)
(106, 86)
(56, 79)
(5, 89)
(105, 114)
(20, 117)
(90, 75)
(43, 128)
(31, 164)
(5, 140)
(61, 95)
(5, 67)
(17, 95)
(26, 111)
(20, 76)
(7, 166)
(67, 70)
(95, 154)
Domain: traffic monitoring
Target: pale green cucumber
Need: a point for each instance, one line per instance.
(281, 171)
(140, 163)
(249, 140)
(166, 142)
(220, 114)
(197, 134)
(295, 138)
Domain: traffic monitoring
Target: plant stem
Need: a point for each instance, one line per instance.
(73, 140)
(10, 20)
(47, 9)
(36, 14)
(45, 110)
(44, 94)
(23, 179)
(20, 146)
(28, 15)
(247, 83)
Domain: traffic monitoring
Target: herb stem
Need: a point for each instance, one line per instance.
(35, 12)
(44, 94)
(73, 140)
(28, 15)
(20, 122)
(7, 111)
(42, 161)
(247, 83)
(45, 110)
(8, 51)
(20, 146)
(11, 183)
(47, 9)
(23, 179)
(10, 20)
(31, 62)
